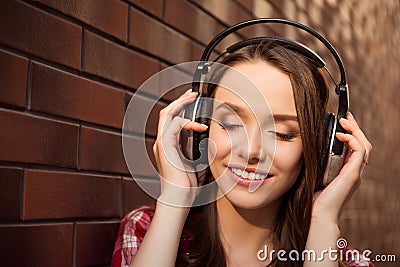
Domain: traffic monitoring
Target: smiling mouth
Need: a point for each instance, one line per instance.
(249, 175)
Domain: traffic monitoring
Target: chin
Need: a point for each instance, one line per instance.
(243, 199)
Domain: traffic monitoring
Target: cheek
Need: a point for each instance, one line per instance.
(288, 156)
(219, 142)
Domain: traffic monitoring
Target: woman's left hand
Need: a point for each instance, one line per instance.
(329, 202)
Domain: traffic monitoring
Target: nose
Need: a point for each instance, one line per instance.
(252, 149)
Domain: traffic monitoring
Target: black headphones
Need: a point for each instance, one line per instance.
(191, 142)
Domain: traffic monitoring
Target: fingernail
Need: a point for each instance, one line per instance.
(350, 114)
(340, 134)
(345, 121)
(204, 125)
(188, 91)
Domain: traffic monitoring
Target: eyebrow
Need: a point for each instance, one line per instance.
(234, 107)
(240, 110)
(284, 117)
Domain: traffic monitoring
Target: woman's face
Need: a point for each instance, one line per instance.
(255, 159)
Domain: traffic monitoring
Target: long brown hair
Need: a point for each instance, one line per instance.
(293, 221)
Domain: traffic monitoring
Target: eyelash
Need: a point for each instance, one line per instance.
(230, 127)
(280, 136)
(284, 136)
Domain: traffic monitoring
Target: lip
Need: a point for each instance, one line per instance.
(247, 182)
(258, 171)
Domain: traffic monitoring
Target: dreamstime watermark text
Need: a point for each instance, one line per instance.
(341, 252)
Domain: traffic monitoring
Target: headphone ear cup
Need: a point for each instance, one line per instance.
(194, 145)
(334, 162)
(329, 125)
(186, 136)
(329, 130)
(200, 139)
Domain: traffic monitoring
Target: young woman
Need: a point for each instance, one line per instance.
(289, 210)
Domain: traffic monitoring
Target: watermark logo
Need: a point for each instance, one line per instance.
(341, 243)
(342, 252)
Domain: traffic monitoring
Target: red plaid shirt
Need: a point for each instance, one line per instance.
(132, 229)
(135, 225)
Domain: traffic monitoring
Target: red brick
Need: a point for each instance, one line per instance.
(248, 4)
(64, 94)
(265, 9)
(134, 196)
(151, 85)
(196, 23)
(175, 81)
(30, 139)
(191, 20)
(149, 151)
(101, 151)
(51, 194)
(147, 161)
(135, 116)
(13, 78)
(175, 93)
(230, 12)
(280, 5)
(154, 7)
(10, 193)
(110, 16)
(139, 156)
(227, 11)
(35, 32)
(160, 40)
(36, 245)
(94, 243)
(119, 64)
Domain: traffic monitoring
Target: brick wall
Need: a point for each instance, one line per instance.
(69, 68)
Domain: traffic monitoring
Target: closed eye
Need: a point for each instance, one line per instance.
(230, 127)
(284, 136)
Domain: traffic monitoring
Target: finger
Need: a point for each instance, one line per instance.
(357, 148)
(352, 127)
(351, 118)
(179, 123)
(170, 136)
(178, 102)
(353, 166)
(177, 107)
(173, 109)
(349, 175)
(169, 141)
(195, 126)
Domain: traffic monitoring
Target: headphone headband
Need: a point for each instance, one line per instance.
(217, 39)
(290, 44)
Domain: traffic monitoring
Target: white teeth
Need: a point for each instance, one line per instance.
(252, 175)
(247, 175)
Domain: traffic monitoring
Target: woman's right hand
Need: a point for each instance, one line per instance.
(178, 180)
(178, 188)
